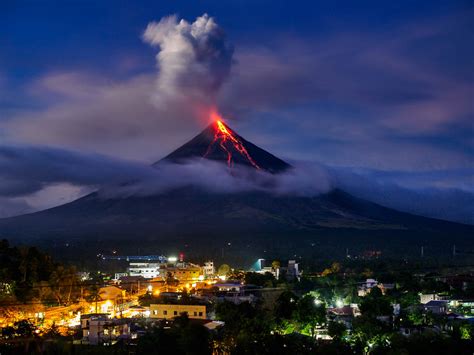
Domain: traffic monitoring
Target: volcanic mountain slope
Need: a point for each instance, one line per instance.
(219, 142)
(191, 212)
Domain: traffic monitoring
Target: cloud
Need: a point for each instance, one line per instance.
(92, 113)
(41, 177)
(383, 76)
(142, 117)
(25, 170)
(13, 207)
(303, 180)
(436, 198)
(34, 178)
(194, 60)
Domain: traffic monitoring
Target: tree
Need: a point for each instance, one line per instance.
(308, 314)
(223, 270)
(375, 304)
(94, 292)
(63, 281)
(285, 305)
(254, 278)
(336, 330)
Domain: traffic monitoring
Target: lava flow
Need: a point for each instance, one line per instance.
(225, 135)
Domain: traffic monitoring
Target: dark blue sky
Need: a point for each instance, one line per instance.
(383, 89)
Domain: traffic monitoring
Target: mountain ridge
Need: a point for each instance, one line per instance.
(195, 214)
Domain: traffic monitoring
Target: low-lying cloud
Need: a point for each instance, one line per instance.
(27, 174)
(27, 171)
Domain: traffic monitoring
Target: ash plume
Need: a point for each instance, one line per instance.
(194, 60)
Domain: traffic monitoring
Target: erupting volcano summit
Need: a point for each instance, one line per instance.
(219, 142)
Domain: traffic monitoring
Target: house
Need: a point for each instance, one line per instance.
(167, 311)
(369, 284)
(436, 307)
(99, 329)
(344, 315)
(229, 287)
(111, 293)
(366, 286)
(427, 297)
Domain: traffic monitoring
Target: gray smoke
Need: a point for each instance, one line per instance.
(194, 60)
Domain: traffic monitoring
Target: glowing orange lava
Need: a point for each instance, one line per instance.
(225, 135)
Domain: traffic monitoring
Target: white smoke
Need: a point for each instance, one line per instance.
(194, 60)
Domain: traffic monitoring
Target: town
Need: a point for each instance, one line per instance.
(167, 303)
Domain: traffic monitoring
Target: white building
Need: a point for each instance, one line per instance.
(147, 270)
(293, 272)
(99, 329)
(269, 269)
(209, 269)
(366, 286)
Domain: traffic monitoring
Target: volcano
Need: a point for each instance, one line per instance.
(252, 222)
(220, 143)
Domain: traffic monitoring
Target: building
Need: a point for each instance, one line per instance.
(119, 275)
(99, 329)
(271, 270)
(132, 284)
(366, 286)
(436, 307)
(229, 287)
(209, 270)
(426, 297)
(147, 270)
(190, 273)
(369, 284)
(292, 271)
(167, 311)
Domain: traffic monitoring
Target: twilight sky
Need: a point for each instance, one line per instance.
(380, 93)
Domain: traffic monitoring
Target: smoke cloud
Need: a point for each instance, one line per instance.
(194, 60)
